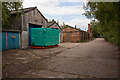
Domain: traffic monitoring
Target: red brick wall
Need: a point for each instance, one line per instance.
(74, 35)
(90, 31)
(68, 29)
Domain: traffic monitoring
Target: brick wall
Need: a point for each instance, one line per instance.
(71, 35)
(90, 31)
(74, 35)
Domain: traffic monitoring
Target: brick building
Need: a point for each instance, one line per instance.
(71, 34)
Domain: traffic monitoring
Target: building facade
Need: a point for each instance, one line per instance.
(71, 34)
(25, 19)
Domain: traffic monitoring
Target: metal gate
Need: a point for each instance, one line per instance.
(12, 40)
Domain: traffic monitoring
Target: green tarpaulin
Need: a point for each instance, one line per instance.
(44, 36)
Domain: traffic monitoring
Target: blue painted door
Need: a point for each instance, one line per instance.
(3, 40)
(12, 40)
(30, 26)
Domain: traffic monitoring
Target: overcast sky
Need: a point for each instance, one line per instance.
(69, 11)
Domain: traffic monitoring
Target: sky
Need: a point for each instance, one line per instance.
(67, 11)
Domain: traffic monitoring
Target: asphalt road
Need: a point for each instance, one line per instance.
(94, 59)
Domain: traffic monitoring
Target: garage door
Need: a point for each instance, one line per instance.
(12, 40)
(67, 37)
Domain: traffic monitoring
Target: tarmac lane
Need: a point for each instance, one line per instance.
(94, 59)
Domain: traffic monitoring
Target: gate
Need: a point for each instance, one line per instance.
(12, 40)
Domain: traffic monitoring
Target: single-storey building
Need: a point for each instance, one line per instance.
(25, 19)
(71, 34)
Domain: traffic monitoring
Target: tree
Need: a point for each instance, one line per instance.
(7, 7)
(64, 25)
(107, 14)
(94, 27)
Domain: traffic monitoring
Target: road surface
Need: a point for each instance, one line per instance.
(94, 59)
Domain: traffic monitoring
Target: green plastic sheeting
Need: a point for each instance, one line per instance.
(44, 37)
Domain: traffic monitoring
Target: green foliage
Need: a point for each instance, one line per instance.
(85, 40)
(107, 14)
(7, 7)
(64, 25)
(94, 27)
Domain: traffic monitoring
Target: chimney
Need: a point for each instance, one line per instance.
(90, 32)
(75, 26)
(89, 28)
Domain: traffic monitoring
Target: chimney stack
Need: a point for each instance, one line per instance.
(75, 26)
(90, 31)
(89, 28)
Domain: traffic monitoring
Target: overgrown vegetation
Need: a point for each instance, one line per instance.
(108, 19)
(7, 7)
(94, 27)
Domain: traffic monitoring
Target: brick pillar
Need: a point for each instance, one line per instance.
(90, 31)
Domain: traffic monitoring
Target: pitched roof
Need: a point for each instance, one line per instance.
(74, 28)
(59, 26)
(50, 23)
(25, 10)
